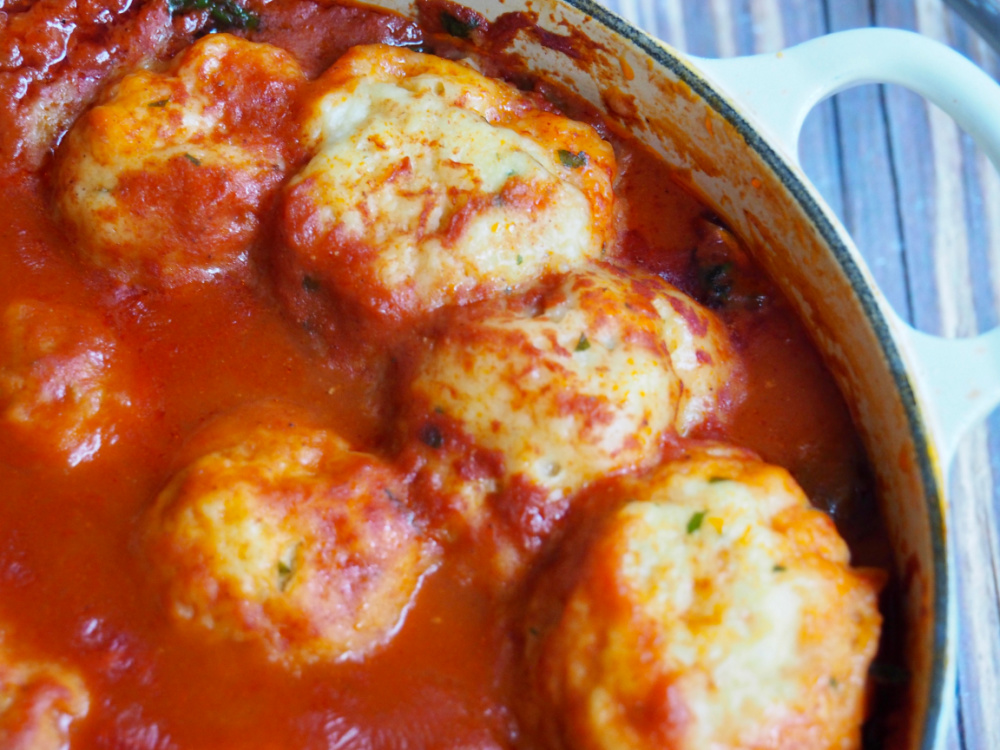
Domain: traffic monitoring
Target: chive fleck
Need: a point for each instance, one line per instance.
(284, 574)
(695, 523)
(583, 344)
(571, 160)
(520, 260)
(193, 159)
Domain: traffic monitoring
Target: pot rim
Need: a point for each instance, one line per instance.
(844, 252)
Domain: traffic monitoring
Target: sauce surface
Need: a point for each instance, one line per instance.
(74, 583)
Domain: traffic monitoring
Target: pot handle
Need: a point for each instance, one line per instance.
(959, 378)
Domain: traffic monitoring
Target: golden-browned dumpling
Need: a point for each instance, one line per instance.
(38, 702)
(716, 609)
(565, 388)
(65, 382)
(289, 538)
(432, 184)
(163, 181)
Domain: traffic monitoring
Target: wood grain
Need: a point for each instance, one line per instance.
(923, 204)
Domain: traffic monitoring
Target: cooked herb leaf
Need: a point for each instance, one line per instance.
(695, 523)
(457, 27)
(583, 344)
(223, 12)
(718, 283)
(716, 480)
(193, 159)
(779, 568)
(520, 260)
(284, 574)
(159, 103)
(571, 160)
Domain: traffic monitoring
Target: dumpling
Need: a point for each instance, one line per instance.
(532, 400)
(288, 538)
(66, 383)
(163, 182)
(39, 701)
(431, 184)
(714, 608)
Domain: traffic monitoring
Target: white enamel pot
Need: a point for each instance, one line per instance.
(732, 126)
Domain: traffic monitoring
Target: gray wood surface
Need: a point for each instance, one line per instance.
(923, 204)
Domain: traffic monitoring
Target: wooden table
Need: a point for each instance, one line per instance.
(923, 205)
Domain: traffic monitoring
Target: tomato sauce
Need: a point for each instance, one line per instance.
(74, 583)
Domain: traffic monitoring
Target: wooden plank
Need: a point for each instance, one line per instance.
(871, 200)
(768, 25)
(699, 26)
(724, 15)
(819, 141)
(910, 139)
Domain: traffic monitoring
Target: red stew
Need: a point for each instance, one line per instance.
(74, 585)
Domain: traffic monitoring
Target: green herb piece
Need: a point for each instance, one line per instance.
(223, 12)
(457, 27)
(718, 283)
(583, 344)
(159, 103)
(695, 523)
(310, 284)
(834, 683)
(193, 159)
(571, 160)
(779, 568)
(716, 480)
(520, 260)
(284, 574)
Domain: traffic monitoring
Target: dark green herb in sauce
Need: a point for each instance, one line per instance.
(223, 12)
(457, 27)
